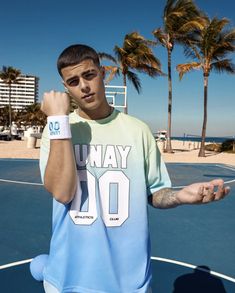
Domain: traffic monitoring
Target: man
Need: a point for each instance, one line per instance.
(102, 168)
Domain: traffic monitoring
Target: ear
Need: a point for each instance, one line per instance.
(102, 70)
(65, 87)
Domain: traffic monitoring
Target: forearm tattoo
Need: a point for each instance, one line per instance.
(164, 199)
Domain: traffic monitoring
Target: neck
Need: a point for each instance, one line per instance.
(94, 114)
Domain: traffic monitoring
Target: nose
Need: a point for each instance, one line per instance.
(84, 85)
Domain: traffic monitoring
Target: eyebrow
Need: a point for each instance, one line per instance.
(76, 76)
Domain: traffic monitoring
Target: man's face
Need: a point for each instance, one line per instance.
(84, 82)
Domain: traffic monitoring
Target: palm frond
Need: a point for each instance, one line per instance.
(198, 23)
(178, 14)
(119, 53)
(9, 74)
(151, 71)
(136, 53)
(168, 7)
(160, 36)
(187, 67)
(229, 36)
(113, 71)
(212, 43)
(193, 52)
(106, 56)
(32, 115)
(225, 65)
(189, 52)
(133, 78)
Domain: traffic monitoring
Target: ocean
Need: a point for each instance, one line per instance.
(208, 139)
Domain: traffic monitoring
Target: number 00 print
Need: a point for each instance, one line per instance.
(88, 194)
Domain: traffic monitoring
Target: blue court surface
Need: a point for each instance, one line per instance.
(193, 247)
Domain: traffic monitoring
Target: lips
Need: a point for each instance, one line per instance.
(88, 97)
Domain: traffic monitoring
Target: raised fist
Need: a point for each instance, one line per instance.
(55, 103)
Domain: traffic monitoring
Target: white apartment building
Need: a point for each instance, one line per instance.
(23, 93)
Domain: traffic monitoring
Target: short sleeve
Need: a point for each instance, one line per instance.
(44, 153)
(156, 173)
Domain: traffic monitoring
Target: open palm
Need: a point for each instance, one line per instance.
(205, 192)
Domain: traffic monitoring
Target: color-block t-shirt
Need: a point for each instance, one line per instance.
(100, 241)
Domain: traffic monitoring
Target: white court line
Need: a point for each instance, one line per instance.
(225, 182)
(229, 167)
(173, 187)
(230, 181)
(14, 264)
(184, 264)
(20, 182)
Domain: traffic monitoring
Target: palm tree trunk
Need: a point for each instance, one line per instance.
(168, 140)
(10, 122)
(124, 83)
(202, 147)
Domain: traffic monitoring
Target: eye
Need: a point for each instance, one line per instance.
(73, 82)
(90, 75)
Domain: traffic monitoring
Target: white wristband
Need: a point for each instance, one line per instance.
(58, 127)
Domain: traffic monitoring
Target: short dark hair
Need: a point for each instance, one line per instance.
(75, 54)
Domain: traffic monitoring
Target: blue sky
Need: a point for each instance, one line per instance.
(34, 33)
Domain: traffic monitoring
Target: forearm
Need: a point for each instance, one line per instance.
(164, 199)
(61, 175)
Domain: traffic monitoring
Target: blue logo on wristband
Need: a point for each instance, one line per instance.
(54, 128)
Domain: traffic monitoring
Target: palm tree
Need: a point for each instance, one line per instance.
(135, 54)
(209, 47)
(9, 75)
(4, 115)
(179, 18)
(32, 115)
(112, 70)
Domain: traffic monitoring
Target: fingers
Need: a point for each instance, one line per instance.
(213, 191)
(210, 194)
(217, 182)
(221, 192)
(55, 103)
(207, 193)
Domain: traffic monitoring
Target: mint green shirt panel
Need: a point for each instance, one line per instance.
(155, 170)
(157, 176)
(135, 133)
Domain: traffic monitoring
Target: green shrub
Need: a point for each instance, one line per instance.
(228, 146)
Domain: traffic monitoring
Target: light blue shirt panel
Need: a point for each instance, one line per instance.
(116, 259)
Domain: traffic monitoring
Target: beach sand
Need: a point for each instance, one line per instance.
(18, 149)
(187, 152)
(184, 152)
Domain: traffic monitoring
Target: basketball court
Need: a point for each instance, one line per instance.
(192, 246)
